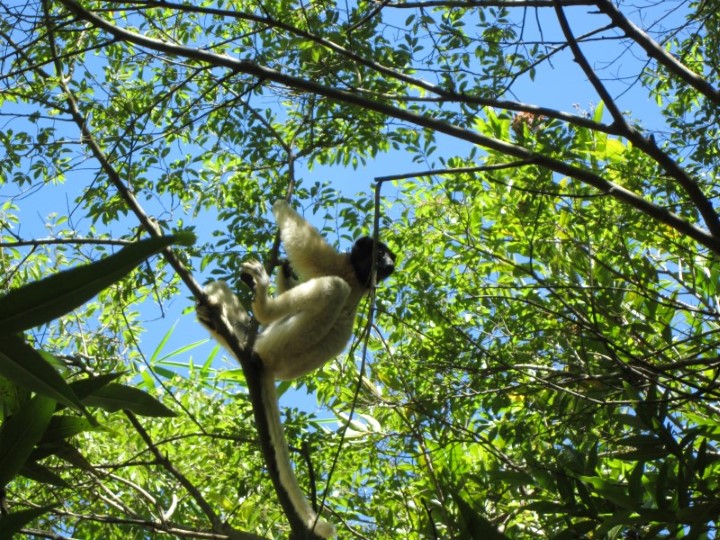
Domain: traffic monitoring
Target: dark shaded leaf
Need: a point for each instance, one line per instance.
(117, 397)
(86, 387)
(12, 523)
(42, 474)
(21, 432)
(474, 525)
(62, 427)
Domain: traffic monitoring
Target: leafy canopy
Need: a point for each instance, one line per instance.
(544, 364)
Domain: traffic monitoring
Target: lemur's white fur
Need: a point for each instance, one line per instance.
(306, 324)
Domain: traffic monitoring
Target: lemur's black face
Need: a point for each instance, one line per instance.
(361, 260)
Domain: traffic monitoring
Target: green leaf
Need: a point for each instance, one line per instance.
(598, 112)
(635, 484)
(42, 474)
(11, 396)
(27, 368)
(578, 529)
(642, 442)
(156, 353)
(86, 387)
(547, 507)
(42, 301)
(607, 489)
(117, 397)
(630, 420)
(660, 487)
(64, 450)
(620, 517)
(62, 427)
(21, 432)
(12, 523)
(702, 460)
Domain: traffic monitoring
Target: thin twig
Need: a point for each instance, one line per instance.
(217, 524)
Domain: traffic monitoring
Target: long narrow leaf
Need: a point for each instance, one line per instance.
(42, 301)
(62, 427)
(40, 473)
(26, 367)
(85, 387)
(11, 524)
(474, 525)
(116, 397)
(20, 433)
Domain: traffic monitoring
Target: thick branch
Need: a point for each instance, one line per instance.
(599, 87)
(701, 202)
(252, 370)
(620, 126)
(655, 51)
(653, 210)
(153, 230)
(124, 191)
(444, 94)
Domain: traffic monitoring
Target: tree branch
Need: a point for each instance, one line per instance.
(616, 191)
(655, 51)
(647, 145)
(442, 93)
(599, 87)
(251, 369)
(123, 190)
(194, 492)
(468, 4)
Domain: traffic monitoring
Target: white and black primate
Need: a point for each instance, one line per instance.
(307, 323)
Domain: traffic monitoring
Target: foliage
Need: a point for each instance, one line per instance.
(36, 427)
(543, 364)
